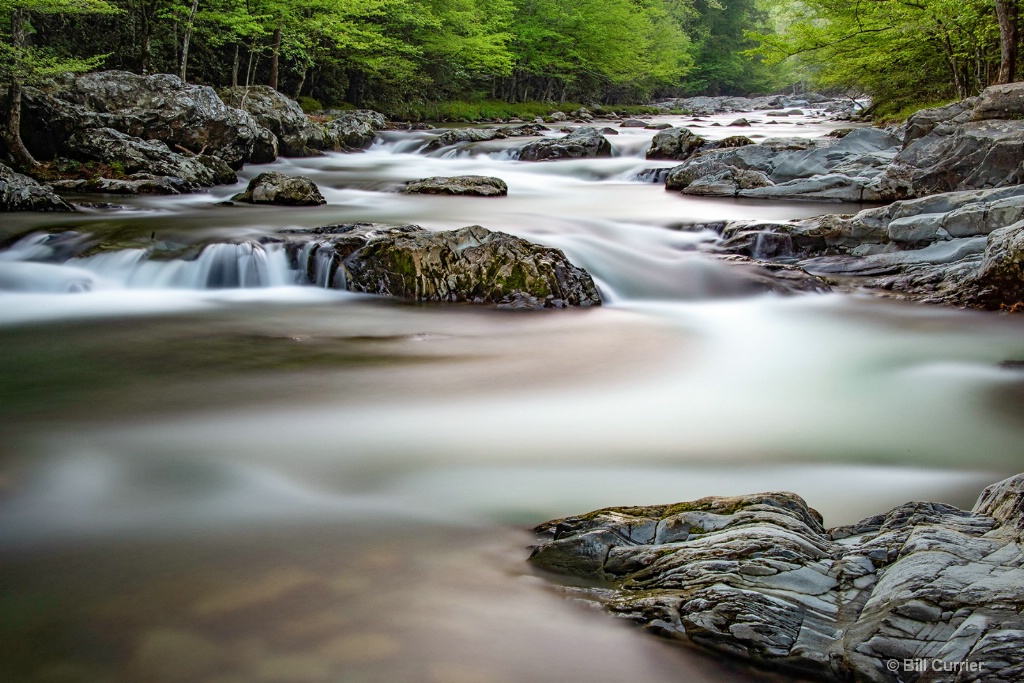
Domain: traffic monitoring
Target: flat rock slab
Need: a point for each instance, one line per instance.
(476, 185)
(925, 592)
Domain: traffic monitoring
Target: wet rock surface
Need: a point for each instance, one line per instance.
(471, 264)
(759, 578)
(284, 190)
(143, 160)
(20, 193)
(158, 107)
(475, 185)
(297, 136)
(953, 248)
(352, 129)
(584, 142)
(463, 135)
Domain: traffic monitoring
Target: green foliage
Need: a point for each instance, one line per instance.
(903, 53)
(309, 104)
(22, 62)
(404, 55)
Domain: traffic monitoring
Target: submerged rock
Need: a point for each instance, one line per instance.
(478, 185)
(470, 264)
(277, 188)
(20, 193)
(584, 142)
(759, 578)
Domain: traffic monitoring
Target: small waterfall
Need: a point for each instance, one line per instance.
(218, 266)
(318, 266)
(40, 263)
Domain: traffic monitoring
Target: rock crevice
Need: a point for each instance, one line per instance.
(759, 578)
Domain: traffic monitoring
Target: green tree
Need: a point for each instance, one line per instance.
(22, 63)
(900, 52)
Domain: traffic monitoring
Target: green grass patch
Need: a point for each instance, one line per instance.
(898, 112)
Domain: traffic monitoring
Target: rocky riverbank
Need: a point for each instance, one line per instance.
(952, 230)
(924, 592)
(116, 132)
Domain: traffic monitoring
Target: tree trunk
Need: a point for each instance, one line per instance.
(145, 47)
(302, 82)
(1006, 14)
(234, 69)
(275, 57)
(19, 155)
(187, 39)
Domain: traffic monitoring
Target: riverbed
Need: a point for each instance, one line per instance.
(281, 482)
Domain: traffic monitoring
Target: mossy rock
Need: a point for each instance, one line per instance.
(470, 264)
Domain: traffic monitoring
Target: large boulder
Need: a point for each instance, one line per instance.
(974, 155)
(20, 193)
(999, 282)
(352, 129)
(584, 142)
(297, 136)
(272, 187)
(157, 107)
(674, 143)
(925, 121)
(828, 169)
(131, 155)
(1000, 102)
(759, 578)
(822, 159)
(477, 185)
(471, 264)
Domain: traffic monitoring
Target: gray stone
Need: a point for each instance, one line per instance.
(352, 129)
(674, 143)
(584, 142)
(766, 583)
(277, 188)
(158, 107)
(470, 264)
(975, 155)
(480, 186)
(136, 157)
(297, 136)
(20, 193)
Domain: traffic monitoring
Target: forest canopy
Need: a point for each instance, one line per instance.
(384, 52)
(392, 53)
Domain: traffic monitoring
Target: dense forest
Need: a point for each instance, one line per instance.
(395, 54)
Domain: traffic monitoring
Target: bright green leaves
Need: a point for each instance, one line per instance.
(898, 51)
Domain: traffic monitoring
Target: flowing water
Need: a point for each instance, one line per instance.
(212, 472)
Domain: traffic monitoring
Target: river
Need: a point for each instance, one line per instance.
(284, 483)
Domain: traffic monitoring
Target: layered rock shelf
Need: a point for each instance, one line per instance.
(925, 592)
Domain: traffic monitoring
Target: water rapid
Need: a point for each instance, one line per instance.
(216, 467)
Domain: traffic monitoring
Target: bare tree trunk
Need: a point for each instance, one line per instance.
(275, 57)
(187, 39)
(1006, 14)
(302, 81)
(19, 155)
(146, 44)
(234, 69)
